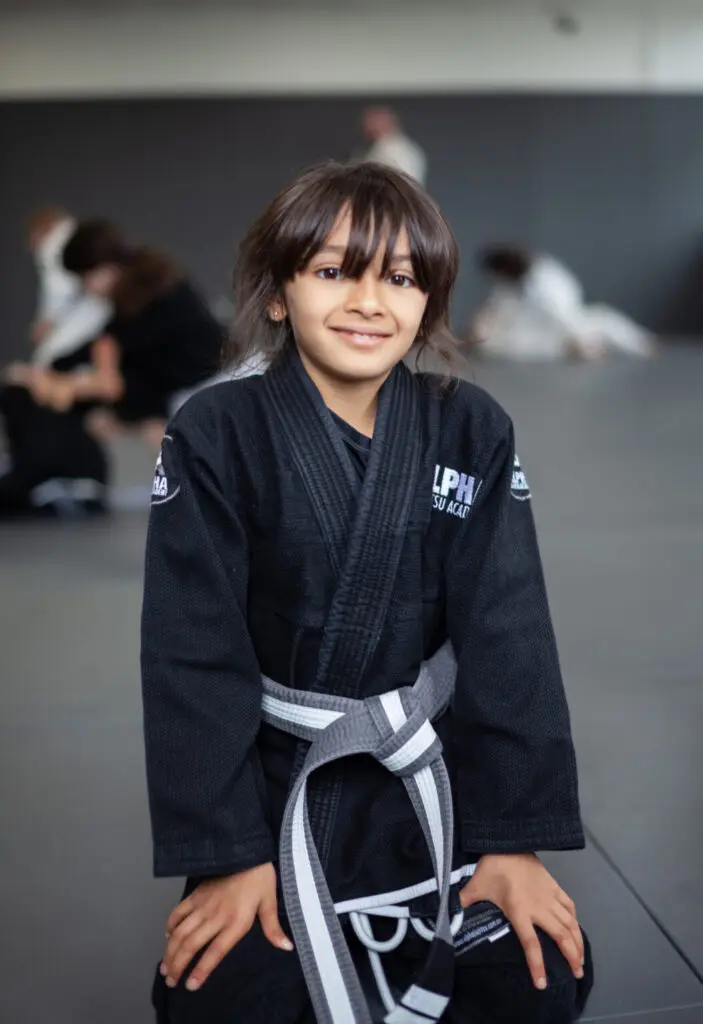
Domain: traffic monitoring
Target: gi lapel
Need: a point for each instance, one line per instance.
(317, 450)
(361, 601)
(365, 539)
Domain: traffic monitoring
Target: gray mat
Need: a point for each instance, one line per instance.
(637, 969)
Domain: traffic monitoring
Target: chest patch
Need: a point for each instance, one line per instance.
(453, 492)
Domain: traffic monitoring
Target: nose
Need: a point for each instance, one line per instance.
(365, 296)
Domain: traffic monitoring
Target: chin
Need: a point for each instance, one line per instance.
(364, 364)
(363, 367)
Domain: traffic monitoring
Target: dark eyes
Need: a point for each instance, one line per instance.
(401, 280)
(336, 274)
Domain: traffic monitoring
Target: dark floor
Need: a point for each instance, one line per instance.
(613, 455)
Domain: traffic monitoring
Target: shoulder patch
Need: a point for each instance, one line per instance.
(164, 487)
(519, 488)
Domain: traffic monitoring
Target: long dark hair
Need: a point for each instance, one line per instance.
(147, 273)
(289, 232)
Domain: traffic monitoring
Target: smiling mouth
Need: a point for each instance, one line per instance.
(360, 337)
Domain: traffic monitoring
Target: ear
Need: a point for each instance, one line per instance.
(276, 311)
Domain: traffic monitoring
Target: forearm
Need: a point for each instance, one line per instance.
(96, 384)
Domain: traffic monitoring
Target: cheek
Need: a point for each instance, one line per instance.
(409, 308)
(309, 308)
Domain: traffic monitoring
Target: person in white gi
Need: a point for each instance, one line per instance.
(390, 145)
(536, 310)
(66, 317)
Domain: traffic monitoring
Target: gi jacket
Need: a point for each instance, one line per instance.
(266, 555)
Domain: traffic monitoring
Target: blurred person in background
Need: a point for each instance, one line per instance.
(536, 310)
(66, 318)
(53, 466)
(390, 145)
(161, 344)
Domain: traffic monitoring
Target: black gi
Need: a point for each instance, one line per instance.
(268, 554)
(45, 445)
(173, 344)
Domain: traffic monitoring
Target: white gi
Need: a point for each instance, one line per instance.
(401, 153)
(76, 317)
(544, 316)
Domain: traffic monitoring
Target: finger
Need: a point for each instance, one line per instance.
(190, 947)
(566, 902)
(177, 915)
(470, 894)
(216, 952)
(181, 934)
(561, 931)
(271, 926)
(569, 921)
(577, 935)
(533, 951)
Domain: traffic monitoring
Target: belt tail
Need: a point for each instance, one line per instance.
(333, 984)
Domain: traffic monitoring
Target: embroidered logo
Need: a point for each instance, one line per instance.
(453, 492)
(519, 488)
(161, 492)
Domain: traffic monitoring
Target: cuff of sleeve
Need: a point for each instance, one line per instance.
(522, 836)
(208, 858)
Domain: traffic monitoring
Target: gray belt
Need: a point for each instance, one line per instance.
(395, 728)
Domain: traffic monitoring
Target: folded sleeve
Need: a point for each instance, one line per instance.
(517, 782)
(200, 677)
(83, 322)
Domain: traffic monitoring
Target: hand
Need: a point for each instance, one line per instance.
(18, 373)
(53, 389)
(40, 381)
(221, 911)
(528, 895)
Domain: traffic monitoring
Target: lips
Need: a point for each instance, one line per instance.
(360, 337)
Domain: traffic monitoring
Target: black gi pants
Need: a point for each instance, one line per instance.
(43, 444)
(257, 984)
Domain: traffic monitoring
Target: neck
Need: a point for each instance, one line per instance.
(353, 401)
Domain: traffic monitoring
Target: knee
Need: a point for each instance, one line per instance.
(566, 995)
(498, 984)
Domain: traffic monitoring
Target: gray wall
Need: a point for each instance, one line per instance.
(611, 184)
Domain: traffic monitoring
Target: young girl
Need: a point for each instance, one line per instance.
(356, 730)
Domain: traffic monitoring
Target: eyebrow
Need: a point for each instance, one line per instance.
(340, 250)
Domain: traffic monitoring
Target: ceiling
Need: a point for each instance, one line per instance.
(302, 5)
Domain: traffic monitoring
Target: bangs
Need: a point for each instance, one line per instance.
(380, 204)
